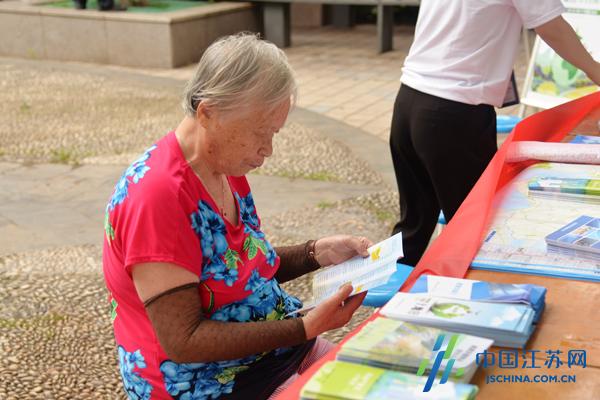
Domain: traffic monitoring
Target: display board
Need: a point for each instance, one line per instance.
(550, 80)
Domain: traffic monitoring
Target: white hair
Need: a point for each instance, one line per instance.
(238, 69)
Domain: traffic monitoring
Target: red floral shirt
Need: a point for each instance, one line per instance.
(160, 212)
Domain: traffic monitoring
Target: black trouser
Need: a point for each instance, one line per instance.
(439, 148)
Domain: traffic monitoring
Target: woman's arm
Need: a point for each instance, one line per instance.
(559, 35)
(295, 261)
(187, 336)
(298, 260)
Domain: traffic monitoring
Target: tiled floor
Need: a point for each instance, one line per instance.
(341, 75)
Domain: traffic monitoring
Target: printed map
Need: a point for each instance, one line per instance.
(515, 240)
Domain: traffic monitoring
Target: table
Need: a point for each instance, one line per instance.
(571, 321)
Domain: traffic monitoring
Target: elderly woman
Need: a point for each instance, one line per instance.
(194, 284)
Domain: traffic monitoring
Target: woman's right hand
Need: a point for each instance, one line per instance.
(333, 313)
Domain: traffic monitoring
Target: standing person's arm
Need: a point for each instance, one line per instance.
(559, 35)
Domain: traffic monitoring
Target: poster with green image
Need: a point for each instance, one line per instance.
(550, 79)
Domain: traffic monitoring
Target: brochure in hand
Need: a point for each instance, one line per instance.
(581, 190)
(467, 289)
(402, 346)
(363, 273)
(509, 325)
(579, 238)
(337, 380)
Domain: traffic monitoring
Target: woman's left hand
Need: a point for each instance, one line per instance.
(338, 248)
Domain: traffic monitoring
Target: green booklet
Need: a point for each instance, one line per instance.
(575, 189)
(399, 345)
(338, 380)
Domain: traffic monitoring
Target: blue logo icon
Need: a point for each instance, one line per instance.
(439, 358)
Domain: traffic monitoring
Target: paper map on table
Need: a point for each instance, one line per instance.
(515, 240)
(363, 273)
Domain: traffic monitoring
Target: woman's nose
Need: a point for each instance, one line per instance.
(266, 149)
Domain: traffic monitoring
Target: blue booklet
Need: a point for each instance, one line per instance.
(580, 237)
(508, 324)
(467, 289)
(583, 139)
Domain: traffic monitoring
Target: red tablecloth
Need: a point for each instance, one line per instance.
(452, 252)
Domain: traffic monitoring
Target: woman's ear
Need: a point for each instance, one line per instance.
(204, 114)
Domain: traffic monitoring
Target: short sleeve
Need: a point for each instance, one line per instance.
(157, 229)
(536, 13)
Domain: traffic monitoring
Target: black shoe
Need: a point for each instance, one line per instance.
(80, 4)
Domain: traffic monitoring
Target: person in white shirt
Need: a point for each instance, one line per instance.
(443, 131)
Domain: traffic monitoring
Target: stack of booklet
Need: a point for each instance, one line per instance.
(467, 289)
(574, 189)
(579, 238)
(402, 346)
(508, 324)
(337, 380)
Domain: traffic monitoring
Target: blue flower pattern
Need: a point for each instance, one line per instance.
(198, 381)
(210, 228)
(267, 301)
(255, 281)
(251, 226)
(137, 388)
(133, 173)
(210, 380)
(247, 210)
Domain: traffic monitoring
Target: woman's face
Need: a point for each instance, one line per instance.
(238, 142)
